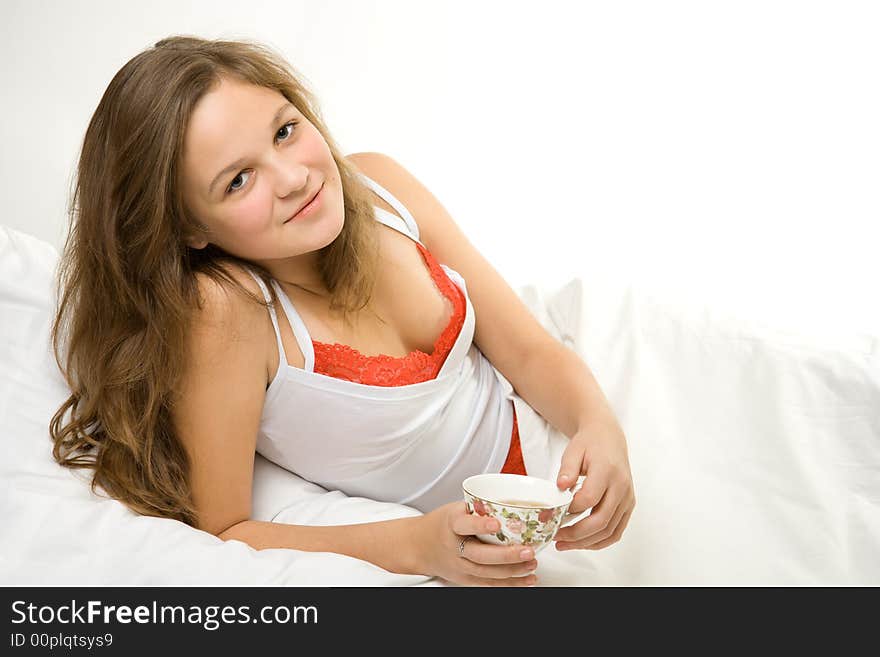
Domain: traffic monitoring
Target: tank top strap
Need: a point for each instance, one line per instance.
(300, 332)
(272, 314)
(405, 223)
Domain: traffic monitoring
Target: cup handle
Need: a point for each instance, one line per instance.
(571, 518)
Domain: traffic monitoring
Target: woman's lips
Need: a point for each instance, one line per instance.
(309, 207)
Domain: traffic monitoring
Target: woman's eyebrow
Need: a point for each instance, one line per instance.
(240, 161)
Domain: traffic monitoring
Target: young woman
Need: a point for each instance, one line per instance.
(232, 284)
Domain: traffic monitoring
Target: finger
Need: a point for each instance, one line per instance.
(615, 536)
(609, 530)
(503, 571)
(531, 580)
(595, 485)
(485, 553)
(626, 518)
(599, 517)
(601, 535)
(572, 464)
(470, 523)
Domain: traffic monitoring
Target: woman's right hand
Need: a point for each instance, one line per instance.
(476, 564)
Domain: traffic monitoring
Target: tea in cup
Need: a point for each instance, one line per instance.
(529, 509)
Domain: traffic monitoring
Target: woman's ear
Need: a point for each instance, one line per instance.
(194, 231)
(195, 237)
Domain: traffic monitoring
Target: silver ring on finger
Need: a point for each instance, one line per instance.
(461, 545)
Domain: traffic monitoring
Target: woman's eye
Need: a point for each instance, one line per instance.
(232, 185)
(292, 124)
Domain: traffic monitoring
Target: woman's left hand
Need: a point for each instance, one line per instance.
(598, 451)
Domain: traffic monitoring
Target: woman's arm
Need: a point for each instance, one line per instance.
(377, 542)
(559, 385)
(432, 544)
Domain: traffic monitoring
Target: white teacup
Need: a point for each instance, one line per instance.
(530, 509)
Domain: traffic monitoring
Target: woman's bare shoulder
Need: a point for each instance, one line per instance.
(212, 289)
(394, 177)
(230, 315)
(386, 171)
(378, 166)
(361, 160)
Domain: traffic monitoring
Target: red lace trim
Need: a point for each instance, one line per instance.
(343, 362)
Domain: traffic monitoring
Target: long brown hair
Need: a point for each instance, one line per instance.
(126, 279)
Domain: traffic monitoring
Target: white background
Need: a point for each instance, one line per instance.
(722, 151)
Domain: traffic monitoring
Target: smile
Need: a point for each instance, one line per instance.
(310, 207)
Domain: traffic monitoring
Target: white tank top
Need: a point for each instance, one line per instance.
(411, 444)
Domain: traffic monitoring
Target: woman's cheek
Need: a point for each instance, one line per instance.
(254, 213)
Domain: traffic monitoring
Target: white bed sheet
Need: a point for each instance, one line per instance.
(755, 456)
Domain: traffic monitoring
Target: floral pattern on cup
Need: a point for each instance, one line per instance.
(528, 526)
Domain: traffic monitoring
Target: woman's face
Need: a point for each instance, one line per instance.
(250, 161)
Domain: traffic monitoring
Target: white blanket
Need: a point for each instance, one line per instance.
(755, 456)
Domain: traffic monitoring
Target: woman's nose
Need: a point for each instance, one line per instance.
(290, 179)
